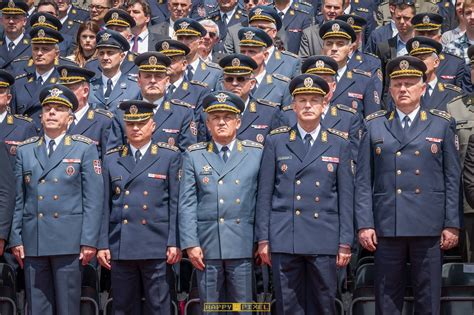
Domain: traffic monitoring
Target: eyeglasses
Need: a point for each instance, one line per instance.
(98, 7)
(238, 79)
(212, 34)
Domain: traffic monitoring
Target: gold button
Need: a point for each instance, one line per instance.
(298, 182)
(145, 193)
(40, 215)
(145, 207)
(55, 197)
(237, 221)
(316, 199)
(417, 152)
(56, 215)
(42, 181)
(221, 220)
(417, 172)
(125, 221)
(143, 221)
(317, 184)
(399, 153)
(221, 182)
(399, 191)
(237, 181)
(237, 201)
(40, 197)
(127, 192)
(316, 215)
(417, 191)
(297, 212)
(125, 206)
(221, 201)
(399, 172)
(55, 180)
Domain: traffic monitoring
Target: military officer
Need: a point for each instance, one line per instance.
(305, 193)
(437, 94)
(217, 204)
(58, 209)
(13, 128)
(71, 17)
(7, 196)
(141, 205)
(226, 14)
(112, 85)
(462, 110)
(180, 86)
(174, 118)
(407, 192)
(254, 43)
(451, 67)
(190, 32)
(45, 50)
(92, 123)
(356, 88)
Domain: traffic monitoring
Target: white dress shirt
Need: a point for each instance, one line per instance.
(411, 115)
(115, 79)
(57, 141)
(314, 134)
(143, 149)
(230, 146)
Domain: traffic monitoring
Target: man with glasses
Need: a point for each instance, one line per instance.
(191, 33)
(98, 9)
(206, 49)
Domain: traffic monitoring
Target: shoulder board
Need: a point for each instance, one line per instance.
(82, 139)
(78, 21)
(341, 134)
(21, 76)
(181, 103)
(346, 108)
(305, 3)
(379, 113)
(459, 97)
(289, 53)
(287, 108)
(358, 71)
(104, 112)
(24, 58)
(371, 54)
(198, 146)
(212, 64)
(167, 146)
(92, 59)
(117, 149)
(204, 84)
(267, 103)
(301, 10)
(28, 119)
(452, 55)
(278, 130)
(30, 140)
(281, 77)
(453, 87)
(441, 113)
(248, 143)
(132, 77)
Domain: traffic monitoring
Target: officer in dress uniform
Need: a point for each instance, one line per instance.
(174, 118)
(462, 110)
(273, 87)
(407, 192)
(58, 211)
(112, 86)
(141, 207)
(190, 33)
(92, 123)
(226, 14)
(180, 86)
(217, 204)
(73, 19)
(305, 194)
(28, 85)
(14, 129)
(356, 88)
(7, 196)
(451, 67)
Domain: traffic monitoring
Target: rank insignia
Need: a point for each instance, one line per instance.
(185, 86)
(67, 140)
(10, 120)
(167, 106)
(124, 151)
(97, 167)
(70, 170)
(90, 115)
(210, 147)
(324, 136)
(293, 135)
(392, 115)
(423, 116)
(253, 107)
(333, 111)
(239, 146)
(154, 149)
(349, 73)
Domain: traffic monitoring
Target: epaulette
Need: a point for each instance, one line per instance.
(371, 54)
(204, 84)
(21, 76)
(305, 3)
(441, 113)
(117, 149)
(298, 9)
(379, 113)
(68, 60)
(467, 99)
(28, 119)
(104, 112)
(358, 71)
(452, 55)
(24, 58)
(168, 146)
(212, 64)
(289, 53)
(287, 108)
(459, 97)
(181, 103)
(78, 21)
(131, 56)
(267, 103)
(197, 146)
(252, 144)
(82, 139)
(281, 77)
(341, 134)
(30, 140)
(346, 108)
(453, 87)
(278, 130)
(132, 77)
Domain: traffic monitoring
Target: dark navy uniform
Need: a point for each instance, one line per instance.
(294, 22)
(75, 18)
(209, 73)
(215, 15)
(14, 130)
(48, 20)
(24, 64)
(127, 67)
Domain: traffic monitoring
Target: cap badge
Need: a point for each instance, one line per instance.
(319, 64)
(133, 109)
(404, 65)
(105, 36)
(249, 35)
(55, 92)
(308, 82)
(221, 97)
(152, 60)
(335, 27)
(235, 62)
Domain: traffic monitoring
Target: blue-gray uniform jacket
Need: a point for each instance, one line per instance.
(22, 65)
(141, 202)
(294, 22)
(174, 121)
(274, 88)
(95, 125)
(238, 17)
(217, 200)
(209, 73)
(408, 185)
(284, 63)
(450, 69)
(75, 18)
(14, 130)
(366, 62)
(191, 92)
(126, 88)
(59, 199)
(22, 49)
(127, 67)
(360, 90)
(305, 201)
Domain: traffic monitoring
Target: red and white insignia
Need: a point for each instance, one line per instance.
(284, 168)
(193, 127)
(205, 180)
(97, 167)
(201, 11)
(70, 170)
(330, 167)
(260, 138)
(354, 104)
(13, 150)
(171, 141)
(434, 148)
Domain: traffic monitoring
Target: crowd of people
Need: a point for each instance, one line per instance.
(235, 133)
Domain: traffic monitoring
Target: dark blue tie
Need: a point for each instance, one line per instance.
(51, 148)
(307, 142)
(224, 151)
(138, 156)
(108, 91)
(406, 121)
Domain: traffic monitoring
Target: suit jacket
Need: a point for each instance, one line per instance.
(161, 28)
(379, 35)
(311, 44)
(141, 202)
(125, 89)
(407, 185)
(217, 200)
(13, 131)
(386, 50)
(7, 192)
(59, 199)
(305, 196)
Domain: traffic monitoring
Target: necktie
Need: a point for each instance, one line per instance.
(11, 46)
(40, 80)
(135, 44)
(170, 92)
(138, 156)
(189, 73)
(109, 88)
(281, 14)
(224, 151)
(307, 142)
(406, 121)
(224, 18)
(51, 147)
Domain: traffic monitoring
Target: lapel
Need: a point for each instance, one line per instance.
(147, 160)
(161, 116)
(318, 148)
(417, 127)
(437, 98)
(343, 84)
(288, 18)
(99, 90)
(236, 156)
(212, 157)
(354, 62)
(32, 87)
(6, 129)
(296, 146)
(394, 126)
(199, 74)
(247, 118)
(180, 93)
(83, 124)
(264, 89)
(118, 89)
(274, 63)
(58, 154)
(40, 153)
(127, 161)
(392, 44)
(17, 51)
(126, 65)
(329, 120)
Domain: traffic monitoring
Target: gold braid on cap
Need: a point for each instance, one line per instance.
(406, 73)
(222, 107)
(187, 32)
(173, 52)
(56, 100)
(71, 79)
(308, 90)
(252, 42)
